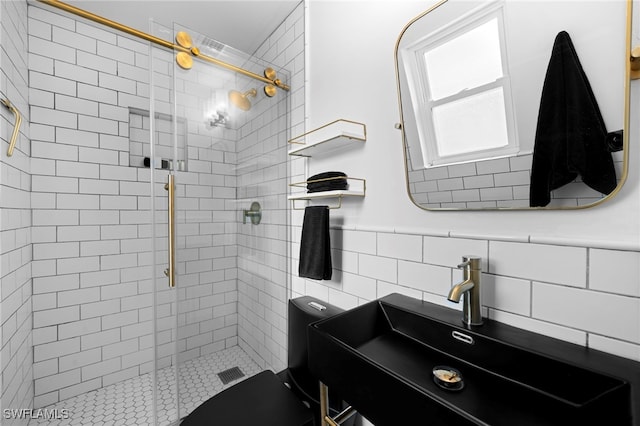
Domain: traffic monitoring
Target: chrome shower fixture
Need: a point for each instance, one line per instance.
(219, 119)
(241, 99)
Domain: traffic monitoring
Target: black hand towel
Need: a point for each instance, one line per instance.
(570, 135)
(315, 246)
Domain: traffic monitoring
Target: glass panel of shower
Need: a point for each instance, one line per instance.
(222, 140)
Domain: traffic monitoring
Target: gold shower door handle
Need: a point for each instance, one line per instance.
(171, 270)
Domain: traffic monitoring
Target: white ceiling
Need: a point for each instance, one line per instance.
(242, 24)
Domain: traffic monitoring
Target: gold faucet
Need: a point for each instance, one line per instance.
(469, 288)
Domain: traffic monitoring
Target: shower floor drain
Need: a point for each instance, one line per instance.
(230, 375)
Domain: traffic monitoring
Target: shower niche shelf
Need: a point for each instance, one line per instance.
(337, 135)
(357, 188)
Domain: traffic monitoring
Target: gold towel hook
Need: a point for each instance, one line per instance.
(635, 63)
(16, 128)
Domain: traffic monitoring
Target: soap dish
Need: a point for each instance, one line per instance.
(448, 378)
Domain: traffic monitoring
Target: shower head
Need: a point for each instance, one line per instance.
(241, 100)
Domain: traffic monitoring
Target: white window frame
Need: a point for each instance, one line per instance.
(417, 77)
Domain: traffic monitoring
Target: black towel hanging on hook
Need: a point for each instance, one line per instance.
(570, 135)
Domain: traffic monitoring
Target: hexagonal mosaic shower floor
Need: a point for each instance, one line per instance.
(130, 402)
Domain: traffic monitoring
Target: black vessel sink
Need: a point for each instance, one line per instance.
(380, 358)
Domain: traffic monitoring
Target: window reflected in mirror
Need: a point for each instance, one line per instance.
(471, 75)
(465, 112)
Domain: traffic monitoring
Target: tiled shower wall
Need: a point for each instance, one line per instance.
(263, 261)
(16, 369)
(92, 261)
(584, 294)
(16, 360)
(91, 284)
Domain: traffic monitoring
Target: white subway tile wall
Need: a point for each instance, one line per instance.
(614, 271)
(263, 250)
(584, 295)
(556, 264)
(90, 287)
(92, 263)
(16, 354)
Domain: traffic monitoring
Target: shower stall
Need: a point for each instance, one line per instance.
(159, 219)
(219, 266)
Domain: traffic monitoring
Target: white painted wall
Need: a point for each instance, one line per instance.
(351, 75)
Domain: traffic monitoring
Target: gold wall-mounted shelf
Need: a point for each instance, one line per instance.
(357, 188)
(337, 135)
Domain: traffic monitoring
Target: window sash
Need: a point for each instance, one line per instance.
(416, 69)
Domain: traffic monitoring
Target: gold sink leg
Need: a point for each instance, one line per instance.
(325, 418)
(324, 405)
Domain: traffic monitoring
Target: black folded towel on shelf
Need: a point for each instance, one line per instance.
(327, 181)
(315, 246)
(571, 137)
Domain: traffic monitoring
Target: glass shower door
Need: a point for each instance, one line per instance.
(203, 135)
(161, 156)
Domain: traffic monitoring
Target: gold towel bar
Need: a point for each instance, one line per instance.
(16, 128)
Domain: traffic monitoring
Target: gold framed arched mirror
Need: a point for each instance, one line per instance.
(515, 104)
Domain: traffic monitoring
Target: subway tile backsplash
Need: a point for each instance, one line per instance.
(615, 271)
(449, 251)
(562, 265)
(584, 295)
(593, 311)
